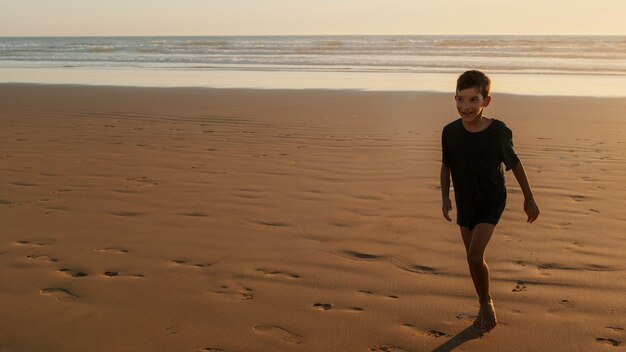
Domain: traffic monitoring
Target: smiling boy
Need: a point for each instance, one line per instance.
(474, 147)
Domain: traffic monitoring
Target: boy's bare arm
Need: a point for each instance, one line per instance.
(445, 192)
(530, 206)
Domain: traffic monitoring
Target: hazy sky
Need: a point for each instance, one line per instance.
(241, 17)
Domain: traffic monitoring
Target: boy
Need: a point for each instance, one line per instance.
(474, 148)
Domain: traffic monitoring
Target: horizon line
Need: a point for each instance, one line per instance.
(306, 35)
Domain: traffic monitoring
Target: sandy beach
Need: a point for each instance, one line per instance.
(182, 219)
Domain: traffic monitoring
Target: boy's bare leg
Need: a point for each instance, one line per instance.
(466, 233)
(479, 270)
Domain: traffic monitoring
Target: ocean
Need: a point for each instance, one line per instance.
(525, 64)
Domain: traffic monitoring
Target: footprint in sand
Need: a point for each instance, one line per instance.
(270, 223)
(386, 348)
(280, 333)
(431, 333)
(60, 294)
(358, 255)
(62, 190)
(519, 287)
(279, 273)
(24, 184)
(521, 263)
(553, 266)
(73, 273)
(466, 317)
(573, 246)
(111, 274)
(197, 214)
(577, 197)
(323, 306)
(43, 258)
(197, 265)
(615, 328)
(203, 265)
(125, 213)
(112, 250)
(28, 243)
(370, 293)
(243, 294)
(435, 333)
(141, 182)
(413, 268)
(49, 209)
(598, 267)
(313, 237)
(340, 224)
(565, 225)
(607, 341)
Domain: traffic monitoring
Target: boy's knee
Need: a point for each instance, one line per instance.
(475, 259)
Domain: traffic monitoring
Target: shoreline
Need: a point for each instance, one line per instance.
(518, 84)
(10, 85)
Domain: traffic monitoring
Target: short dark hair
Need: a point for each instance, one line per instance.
(474, 79)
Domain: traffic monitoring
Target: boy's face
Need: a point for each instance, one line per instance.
(470, 104)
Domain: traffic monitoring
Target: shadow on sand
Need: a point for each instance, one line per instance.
(470, 333)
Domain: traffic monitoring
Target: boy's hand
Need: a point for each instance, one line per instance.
(531, 209)
(446, 207)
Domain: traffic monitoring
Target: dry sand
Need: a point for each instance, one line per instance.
(256, 220)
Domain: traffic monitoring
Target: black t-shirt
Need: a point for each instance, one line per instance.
(475, 161)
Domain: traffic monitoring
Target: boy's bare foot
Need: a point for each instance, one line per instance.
(488, 313)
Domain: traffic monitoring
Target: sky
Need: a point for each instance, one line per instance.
(310, 17)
